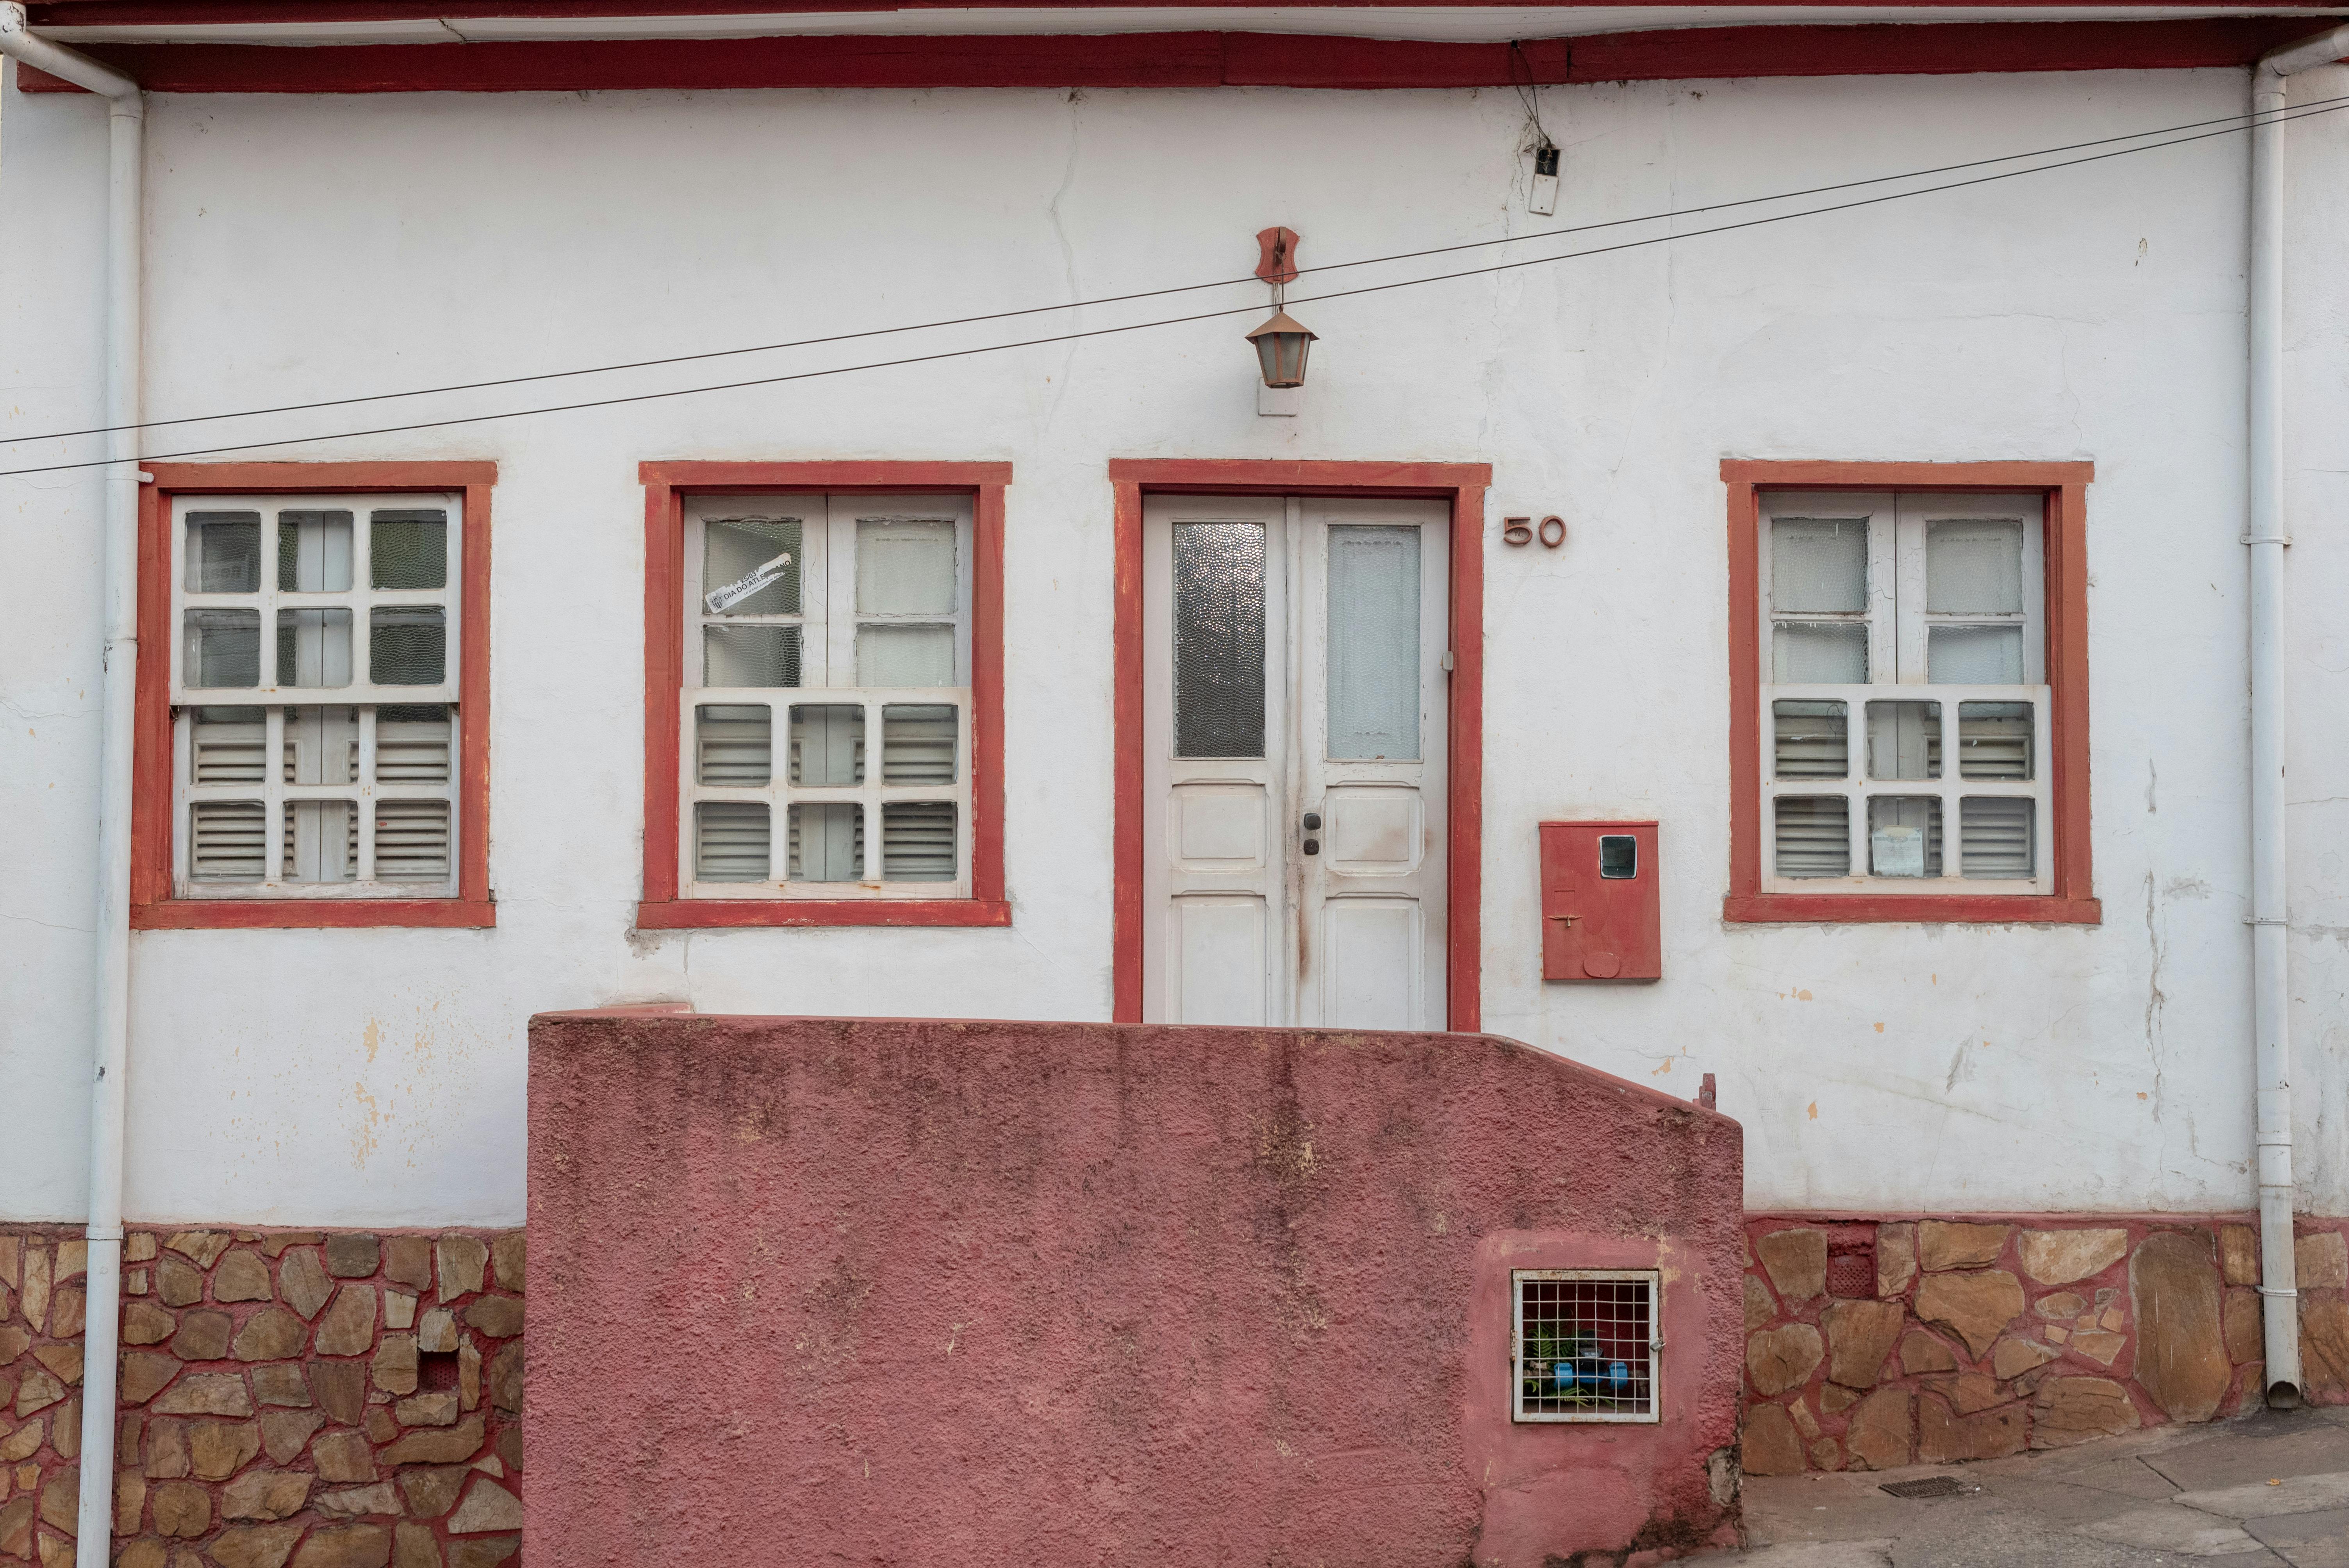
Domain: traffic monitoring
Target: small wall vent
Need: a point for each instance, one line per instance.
(1586, 1344)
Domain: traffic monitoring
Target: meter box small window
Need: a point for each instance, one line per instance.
(1585, 1344)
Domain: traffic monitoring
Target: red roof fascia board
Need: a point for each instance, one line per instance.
(185, 13)
(1188, 59)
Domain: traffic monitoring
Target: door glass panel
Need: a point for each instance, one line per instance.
(904, 566)
(1818, 566)
(751, 654)
(1218, 639)
(1373, 695)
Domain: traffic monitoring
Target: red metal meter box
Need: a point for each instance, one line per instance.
(1599, 917)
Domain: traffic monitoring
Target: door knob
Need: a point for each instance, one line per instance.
(1312, 821)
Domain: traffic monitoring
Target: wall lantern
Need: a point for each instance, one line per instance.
(1281, 343)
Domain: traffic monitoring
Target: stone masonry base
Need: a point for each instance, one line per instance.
(1872, 1343)
(338, 1399)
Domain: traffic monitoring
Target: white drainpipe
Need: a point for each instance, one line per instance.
(2270, 983)
(125, 213)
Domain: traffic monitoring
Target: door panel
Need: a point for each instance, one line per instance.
(1217, 829)
(1373, 964)
(1216, 962)
(1373, 830)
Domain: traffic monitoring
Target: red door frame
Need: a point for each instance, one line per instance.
(1463, 485)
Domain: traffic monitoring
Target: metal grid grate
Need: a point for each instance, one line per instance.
(1586, 1346)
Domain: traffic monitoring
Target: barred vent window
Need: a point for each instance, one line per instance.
(822, 632)
(335, 777)
(1586, 1344)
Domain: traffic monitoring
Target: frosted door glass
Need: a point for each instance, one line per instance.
(1973, 655)
(904, 567)
(1373, 695)
(734, 547)
(1818, 566)
(904, 656)
(751, 654)
(1974, 567)
(224, 552)
(1218, 639)
(1813, 653)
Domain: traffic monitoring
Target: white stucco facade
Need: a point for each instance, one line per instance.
(312, 247)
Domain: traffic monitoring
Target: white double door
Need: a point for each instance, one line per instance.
(1297, 731)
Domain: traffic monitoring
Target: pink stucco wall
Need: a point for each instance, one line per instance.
(890, 1292)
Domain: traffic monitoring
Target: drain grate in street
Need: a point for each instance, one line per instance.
(1928, 1486)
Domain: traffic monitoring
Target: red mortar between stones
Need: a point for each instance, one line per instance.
(1000, 1293)
(271, 1410)
(1857, 1359)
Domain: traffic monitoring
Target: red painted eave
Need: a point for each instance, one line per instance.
(131, 13)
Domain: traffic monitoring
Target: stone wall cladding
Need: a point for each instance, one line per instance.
(1873, 1344)
(288, 1398)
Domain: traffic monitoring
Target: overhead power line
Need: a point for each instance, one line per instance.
(2306, 111)
(2236, 122)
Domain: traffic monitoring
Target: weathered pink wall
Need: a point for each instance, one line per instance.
(986, 1294)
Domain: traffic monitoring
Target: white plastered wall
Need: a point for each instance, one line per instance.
(311, 247)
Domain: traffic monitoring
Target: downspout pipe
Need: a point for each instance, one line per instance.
(2265, 538)
(125, 225)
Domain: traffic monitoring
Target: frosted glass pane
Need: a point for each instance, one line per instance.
(314, 552)
(904, 656)
(1904, 835)
(827, 842)
(1973, 655)
(1994, 741)
(918, 743)
(734, 547)
(1812, 740)
(1904, 740)
(733, 743)
(1374, 694)
(731, 840)
(222, 648)
(1818, 566)
(313, 647)
(1813, 835)
(1974, 565)
(1996, 839)
(751, 654)
(904, 566)
(224, 552)
(1818, 653)
(408, 645)
(1218, 639)
(828, 744)
(918, 841)
(408, 549)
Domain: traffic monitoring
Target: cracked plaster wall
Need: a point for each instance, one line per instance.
(312, 247)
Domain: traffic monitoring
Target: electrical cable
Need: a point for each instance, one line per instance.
(1555, 232)
(2302, 112)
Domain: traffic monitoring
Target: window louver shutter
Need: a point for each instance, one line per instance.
(732, 840)
(1812, 740)
(227, 840)
(412, 841)
(917, 745)
(229, 750)
(1996, 743)
(918, 841)
(411, 749)
(1994, 836)
(1813, 835)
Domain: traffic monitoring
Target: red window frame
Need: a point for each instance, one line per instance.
(2065, 485)
(153, 907)
(667, 484)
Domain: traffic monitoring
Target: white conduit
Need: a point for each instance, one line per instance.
(2271, 983)
(125, 215)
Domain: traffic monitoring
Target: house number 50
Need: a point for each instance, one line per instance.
(1521, 530)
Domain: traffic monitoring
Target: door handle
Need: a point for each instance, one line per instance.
(1312, 824)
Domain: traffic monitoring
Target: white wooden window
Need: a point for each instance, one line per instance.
(845, 637)
(1901, 632)
(1584, 1344)
(314, 689)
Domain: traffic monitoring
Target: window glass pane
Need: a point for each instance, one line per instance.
(732, 548)
(1818, 566)
(828, 744)
(1904, 835)
(412, 744)
(733, 743)
(1974, 565)
(918, 743)
(313, 647)
(1815, 653)
(1373, 695)
(1813, 835)
(1995, 837)
(904, 566)
(1904, 740)
(904, 656)
(1812, 740)
(314, 552)
(827, 842)
(408, 644)
(322, 840)
(322, 745)
(227, 841)
(1973, 655)
(751, 654)
(408, 549)
(1995, 740)
(229, 745)
(730, 840)
(918, 841)
(225, 553)
(1618, 856)
(222, 648)
(1218, 639)
(412, 841)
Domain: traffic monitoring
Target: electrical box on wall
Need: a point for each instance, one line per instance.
(1599, 915)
